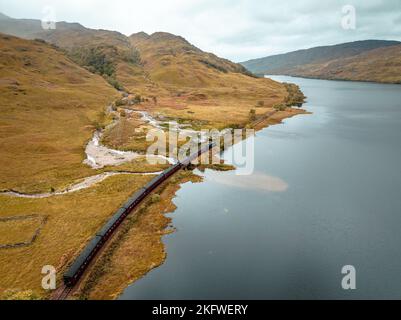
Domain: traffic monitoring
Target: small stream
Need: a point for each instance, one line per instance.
(84, 184)
(98, 156)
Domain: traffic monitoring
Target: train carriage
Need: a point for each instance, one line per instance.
(136, 198)
(81, 262)
(112, 223)
(79, 265)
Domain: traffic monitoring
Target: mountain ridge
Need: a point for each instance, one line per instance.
(164, 68)
(306, 62)
(121, 59)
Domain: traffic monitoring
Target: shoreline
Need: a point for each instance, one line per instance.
(138, 250)
(113, 273)
(328, 79)
(140, 236)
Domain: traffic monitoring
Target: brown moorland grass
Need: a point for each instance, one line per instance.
(48, 110)
(137, 248)
(72, 220)
(131, 135)
(197, 86)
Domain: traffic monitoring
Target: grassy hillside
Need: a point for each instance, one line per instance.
(48, 108)
(174, 61)
(53, 95)
(193, 85)
(379, 65)
(100, 51)
(173, 77)
(315, 61)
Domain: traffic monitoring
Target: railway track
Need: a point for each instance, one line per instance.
(64, 294)
(89, 253)
(264, 118)
(61, 293)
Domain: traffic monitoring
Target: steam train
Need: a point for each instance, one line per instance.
(80, 264)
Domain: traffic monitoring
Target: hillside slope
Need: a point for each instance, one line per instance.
(193, 85)
(173, 60)
(379, 65)
(308, 62)
(161, 66)
(100, 51)
(48, 107)
(168, 76)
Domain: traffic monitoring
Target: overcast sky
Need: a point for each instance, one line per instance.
(234, 29)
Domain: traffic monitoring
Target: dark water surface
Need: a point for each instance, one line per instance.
(326, 193)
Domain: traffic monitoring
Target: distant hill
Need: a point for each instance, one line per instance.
(100, 51)
(334, 62)
(119, 59)
(172, 60)
(378, 65)
(32, 29)
(3, 16)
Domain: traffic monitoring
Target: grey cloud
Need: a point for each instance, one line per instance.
(235, 29)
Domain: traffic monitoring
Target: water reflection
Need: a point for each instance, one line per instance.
(258, 181)
(325, 193)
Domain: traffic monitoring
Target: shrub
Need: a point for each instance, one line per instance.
(234, 126)
(113, 82)
(295, 96)
(131, 56)
(95, 59)
(40, 40)
(155, 198)
(120, 103)
(210, 64)
(280, 107)
(98, 125)
(252, 115)
(260, 104)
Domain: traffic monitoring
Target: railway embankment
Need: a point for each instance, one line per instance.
(81, 263)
